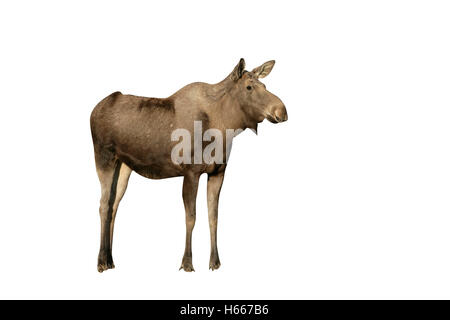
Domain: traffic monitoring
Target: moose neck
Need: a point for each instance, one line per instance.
(219, 90)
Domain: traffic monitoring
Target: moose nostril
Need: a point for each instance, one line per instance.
(280, 114)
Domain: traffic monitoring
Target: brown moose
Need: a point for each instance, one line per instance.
(132, 133)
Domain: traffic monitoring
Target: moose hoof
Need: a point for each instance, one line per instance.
(186, 265)
(105, 266)
(105, 262)
(214, 265)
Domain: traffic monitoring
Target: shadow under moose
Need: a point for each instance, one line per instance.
(132, 133)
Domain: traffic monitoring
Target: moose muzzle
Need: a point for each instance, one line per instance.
(277, 114)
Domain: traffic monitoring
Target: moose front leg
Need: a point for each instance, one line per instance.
(190, 186)
(214, 186)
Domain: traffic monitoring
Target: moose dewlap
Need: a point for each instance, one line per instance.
(186, 134)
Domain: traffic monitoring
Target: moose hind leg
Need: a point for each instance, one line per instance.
(190, 187)
(113, 182)
(122, 183)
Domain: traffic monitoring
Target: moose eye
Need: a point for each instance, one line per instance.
(249, 88)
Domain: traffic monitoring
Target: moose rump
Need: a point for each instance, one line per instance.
(133, 130)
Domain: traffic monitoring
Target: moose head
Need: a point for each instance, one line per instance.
(256, 101)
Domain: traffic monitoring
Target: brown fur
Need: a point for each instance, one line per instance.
(166, 104)
(132, 133)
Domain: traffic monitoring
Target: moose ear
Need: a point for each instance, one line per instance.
(238, 71)
(264, 69)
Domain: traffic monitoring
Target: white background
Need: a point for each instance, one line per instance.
(348, 199)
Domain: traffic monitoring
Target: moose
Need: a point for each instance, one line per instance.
(133, 133)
